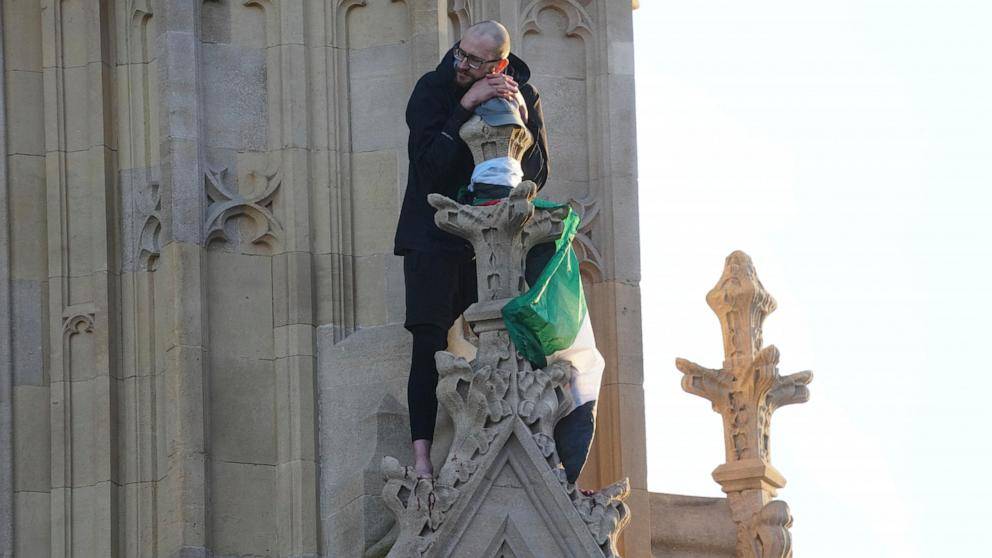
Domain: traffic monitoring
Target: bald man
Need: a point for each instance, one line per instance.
(439, 268)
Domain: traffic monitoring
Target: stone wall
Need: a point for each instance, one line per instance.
(199, 197)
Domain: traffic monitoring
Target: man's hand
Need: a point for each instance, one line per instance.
(493, 85)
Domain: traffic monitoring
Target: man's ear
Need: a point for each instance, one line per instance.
(501, 65)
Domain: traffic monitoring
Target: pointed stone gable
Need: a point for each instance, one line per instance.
(501, 491)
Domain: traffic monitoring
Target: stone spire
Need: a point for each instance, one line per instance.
(746, 391)
(501, 490)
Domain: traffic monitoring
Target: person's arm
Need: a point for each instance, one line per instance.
(434, 141)
(536, 163)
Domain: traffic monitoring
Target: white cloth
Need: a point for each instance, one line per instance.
(588, 362)
(501, 171)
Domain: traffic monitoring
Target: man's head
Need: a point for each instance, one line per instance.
(482, 50)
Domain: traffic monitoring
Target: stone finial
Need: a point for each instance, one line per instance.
(501, 490)
(746, 391)
(501, 235)
(489, 142)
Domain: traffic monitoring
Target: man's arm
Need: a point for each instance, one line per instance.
(536, 162)
(434, 141)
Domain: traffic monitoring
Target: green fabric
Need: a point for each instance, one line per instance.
(547, 317)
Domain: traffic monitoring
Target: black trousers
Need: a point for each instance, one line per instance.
(439, 287)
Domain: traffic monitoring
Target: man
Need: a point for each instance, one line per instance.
(438, 267)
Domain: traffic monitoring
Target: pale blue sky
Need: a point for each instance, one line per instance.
(847, 147)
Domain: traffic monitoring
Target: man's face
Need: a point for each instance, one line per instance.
(477, 48)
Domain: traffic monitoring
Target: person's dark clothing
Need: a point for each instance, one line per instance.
(439, 287)
(438, 267)
(440, 162)
(573, 438)
(421, 387)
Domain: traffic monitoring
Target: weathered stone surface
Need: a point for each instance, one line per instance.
(746, 391)
(501, 487)
(691, 527)
(242, 514)
(142, 355)
(362, 381)
(32, 439)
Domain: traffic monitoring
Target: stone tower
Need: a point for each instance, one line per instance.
(200, 340)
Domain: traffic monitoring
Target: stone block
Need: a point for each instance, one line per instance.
(296, 117)
(242, 513)
(294, 340)
(24, 91)
(615, 311)
(382, 74)
(240, 305)
(378, 22)
(370, 291)
(292, 289)
(29, 214)
(32, 524)
(373, 191)
(621, 55)
(294, 205)
(635, 541)
(32, 439)
(382, 353)
(619, 445)
(138, 530)
(691, 527)
(242, 410)
(295, 408)
(182, 401)
(177, 82)
(296, 508)
(76, 129)
(553, 53)
(235, 97)
(92, 519)
(91, 426)
(137, 430)
(22, 40)
(215, 22)
(183, 203)
(29, 303)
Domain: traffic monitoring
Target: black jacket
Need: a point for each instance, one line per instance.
(440, 162)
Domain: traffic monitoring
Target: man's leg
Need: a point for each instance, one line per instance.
(573, 438)
(428, 339)
(436, 294)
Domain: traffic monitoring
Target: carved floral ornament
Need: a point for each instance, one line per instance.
(225, 207)
(504, 411)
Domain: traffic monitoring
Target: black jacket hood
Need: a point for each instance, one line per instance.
(517, 69)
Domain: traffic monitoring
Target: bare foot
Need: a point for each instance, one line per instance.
(422, 459)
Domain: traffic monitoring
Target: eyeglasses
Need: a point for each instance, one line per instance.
(473, 62)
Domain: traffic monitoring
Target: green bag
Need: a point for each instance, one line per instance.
(547, 317)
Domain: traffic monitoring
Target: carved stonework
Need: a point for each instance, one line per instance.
(590, 260)
(227, 207)
(504, 412)
(149, 238)
(746, 391)
(489, 142)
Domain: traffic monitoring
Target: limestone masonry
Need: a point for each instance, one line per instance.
(201, 341)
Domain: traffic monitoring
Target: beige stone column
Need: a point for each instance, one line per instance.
(80, 158)
(28, 268)
(183, 490)
(746, 391)
(6, 368)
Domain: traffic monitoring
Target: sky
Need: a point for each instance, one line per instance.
(846, 146)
